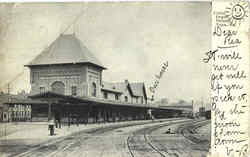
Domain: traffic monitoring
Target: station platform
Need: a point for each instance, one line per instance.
(37, 132)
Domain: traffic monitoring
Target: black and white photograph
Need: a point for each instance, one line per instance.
(105, 79)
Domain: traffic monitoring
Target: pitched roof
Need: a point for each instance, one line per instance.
(122, 86)
(137, 88)
(111, 87)
(67, 48)
(20, 99)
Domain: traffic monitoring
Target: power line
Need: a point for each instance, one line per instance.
(8, 88)
(20, 74)
(14, 79)
(74, 21)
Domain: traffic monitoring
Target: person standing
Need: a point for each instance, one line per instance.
(51, 124)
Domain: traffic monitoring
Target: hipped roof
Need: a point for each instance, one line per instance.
(66, 49)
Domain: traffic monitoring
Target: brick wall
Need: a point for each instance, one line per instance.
(78, 75)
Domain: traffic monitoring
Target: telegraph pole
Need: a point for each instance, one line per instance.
(8, 89)
(192, 108)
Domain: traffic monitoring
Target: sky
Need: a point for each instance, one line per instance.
(132, 39)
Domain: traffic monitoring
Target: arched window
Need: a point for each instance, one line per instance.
(58, 87)
(93, 91)
(126, 99)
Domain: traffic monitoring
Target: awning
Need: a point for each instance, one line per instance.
(71, 100)
(55, 98)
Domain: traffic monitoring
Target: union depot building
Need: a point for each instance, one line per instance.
(67, 85)
(67, 67)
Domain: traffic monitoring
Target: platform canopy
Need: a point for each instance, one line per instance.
(55, 98)
(176, 107)
(71, 100)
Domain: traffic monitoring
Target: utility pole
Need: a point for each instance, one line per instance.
(8, 89)
(202, 107)
(192, 108)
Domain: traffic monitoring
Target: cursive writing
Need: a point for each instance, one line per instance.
(158, 77)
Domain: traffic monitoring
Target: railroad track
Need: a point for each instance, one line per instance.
(190, 133)
(147, 148)
(57, 146)
(150, 147)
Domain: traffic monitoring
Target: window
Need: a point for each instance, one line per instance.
(105, 95)
(93, 92)
(142, 100)
(136, 99)
(73, 90)
(58, 87)
(35, 77)
(126, 99)
(42, 90)
(116, 97)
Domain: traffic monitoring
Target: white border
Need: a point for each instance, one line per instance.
(72, 1)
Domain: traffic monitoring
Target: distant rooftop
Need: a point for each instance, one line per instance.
(66, 49)
(111, 87)
(137, 89)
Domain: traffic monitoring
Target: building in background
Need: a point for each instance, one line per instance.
(16, 112)
(125, 92)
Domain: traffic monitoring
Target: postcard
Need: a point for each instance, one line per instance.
(124, 79)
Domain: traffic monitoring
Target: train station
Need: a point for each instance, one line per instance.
(105, 80)
(67, 86)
